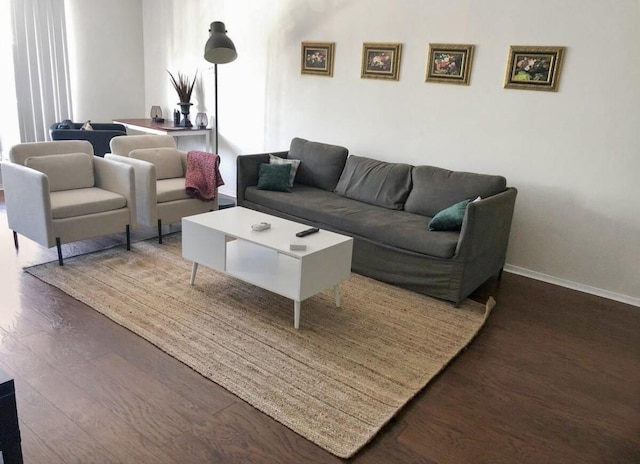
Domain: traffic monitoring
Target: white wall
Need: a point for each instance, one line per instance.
(573, 154)
(106, 53)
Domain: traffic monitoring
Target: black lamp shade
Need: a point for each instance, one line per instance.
(219, 48)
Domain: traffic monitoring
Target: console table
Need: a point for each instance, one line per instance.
(9, 428)
(166, 128)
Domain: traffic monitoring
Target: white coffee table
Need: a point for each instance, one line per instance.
(223, 240)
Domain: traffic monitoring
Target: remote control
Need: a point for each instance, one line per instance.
(304, 233)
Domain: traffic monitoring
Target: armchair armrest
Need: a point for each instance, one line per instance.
(247, 171)
(26, 194)
(145, 186)
(119, 178)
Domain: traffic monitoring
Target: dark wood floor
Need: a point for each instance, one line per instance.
(553, 377)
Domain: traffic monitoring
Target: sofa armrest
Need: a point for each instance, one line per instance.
(26, 195)
(119, 178)
(145, 187)
(247, 171)
(486, 227)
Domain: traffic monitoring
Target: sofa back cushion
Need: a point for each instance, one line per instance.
(68, 171)
(125, 144)
(320, 164)
(168, 161)
(375, 182)
(435, 189)
(20, 152)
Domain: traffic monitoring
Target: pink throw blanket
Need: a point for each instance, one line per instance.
(203, 175)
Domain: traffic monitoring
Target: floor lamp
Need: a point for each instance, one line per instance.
(218, 50)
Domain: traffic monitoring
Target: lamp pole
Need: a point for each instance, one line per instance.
(215, 93)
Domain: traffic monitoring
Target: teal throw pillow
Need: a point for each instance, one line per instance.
(274, 177)
(449, 218)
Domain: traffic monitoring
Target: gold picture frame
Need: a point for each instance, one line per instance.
(534, 68)
(381, 60)
(449, 63)
(317, 58)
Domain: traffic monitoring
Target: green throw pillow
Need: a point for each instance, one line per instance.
(449, 218)
(274, 177)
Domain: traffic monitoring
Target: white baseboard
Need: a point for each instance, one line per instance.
(572, 285)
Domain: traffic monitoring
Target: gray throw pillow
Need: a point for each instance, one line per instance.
(375, 182)
(273, 159)
(274, 177)
(320, 164)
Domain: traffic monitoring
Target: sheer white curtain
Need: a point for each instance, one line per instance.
(41, 66)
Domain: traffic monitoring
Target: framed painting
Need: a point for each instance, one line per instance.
(449, 63)
(381, 61)
(534, 68)
(317, 58)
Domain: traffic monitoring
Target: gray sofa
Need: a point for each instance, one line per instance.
(387, 209)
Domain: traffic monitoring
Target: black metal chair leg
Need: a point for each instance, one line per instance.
(15, 239)
(59, 247)
(128, 237)
(160, 231)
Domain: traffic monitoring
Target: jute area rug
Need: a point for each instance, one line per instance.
(336, 381)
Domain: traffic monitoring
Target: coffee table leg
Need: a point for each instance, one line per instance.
(194, 269)
(336, 290)
(296, 314)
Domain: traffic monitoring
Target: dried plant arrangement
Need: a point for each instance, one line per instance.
(183, 85)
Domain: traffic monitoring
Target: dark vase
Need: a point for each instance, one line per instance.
(185, 108)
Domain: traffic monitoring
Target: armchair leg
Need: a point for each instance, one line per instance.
(160, 231)
(128, 238)
(15, 239)
(59, 247)
(500, 274)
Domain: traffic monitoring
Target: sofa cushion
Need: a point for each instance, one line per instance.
(168, 161)
(320, 164)
(171, 189)
(65, 172)
(80, 202)
(375, 182)
(295, 163)
(274, 177)
(435, 189)
(449, 218)
(394, 228)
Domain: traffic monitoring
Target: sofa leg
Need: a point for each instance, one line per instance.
(15, 239)
(500, 274)
(59, 247)
(128, 238)
(160, 231)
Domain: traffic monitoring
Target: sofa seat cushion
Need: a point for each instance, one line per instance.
(393, 228)
(320, 164)
(375, 182)
(435, 189)
(171, 190)
(81, 202)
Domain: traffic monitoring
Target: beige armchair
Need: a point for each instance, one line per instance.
(160, 170)
(58, 192)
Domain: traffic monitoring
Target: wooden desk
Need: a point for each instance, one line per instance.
(166, 128)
